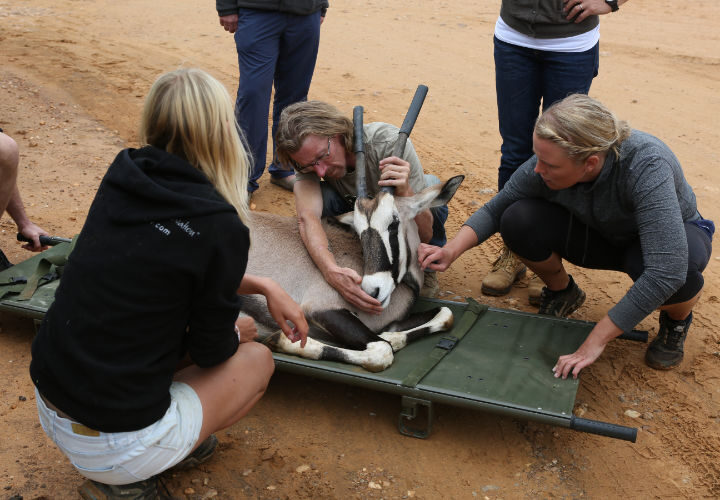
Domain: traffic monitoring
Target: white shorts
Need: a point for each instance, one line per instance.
(128, 457)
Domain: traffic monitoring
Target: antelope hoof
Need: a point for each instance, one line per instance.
(447, 317)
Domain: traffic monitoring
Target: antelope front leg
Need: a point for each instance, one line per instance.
(364, 347)
(442, 321)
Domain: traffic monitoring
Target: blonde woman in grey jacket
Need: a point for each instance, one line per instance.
(603, 196)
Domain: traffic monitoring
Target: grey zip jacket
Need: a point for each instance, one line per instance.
(642, 194)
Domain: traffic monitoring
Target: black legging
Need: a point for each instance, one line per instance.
(535, 228)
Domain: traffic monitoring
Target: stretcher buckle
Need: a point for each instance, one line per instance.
(447, 343)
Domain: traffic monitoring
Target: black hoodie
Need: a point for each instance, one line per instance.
(153, 276)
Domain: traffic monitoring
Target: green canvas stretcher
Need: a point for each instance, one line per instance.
(493, 360)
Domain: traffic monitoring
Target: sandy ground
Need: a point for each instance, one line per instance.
(73, 75)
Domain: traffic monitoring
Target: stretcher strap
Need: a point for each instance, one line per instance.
(473, 311)
(58, 258)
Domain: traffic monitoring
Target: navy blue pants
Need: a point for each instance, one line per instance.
(274, 48)
(525, 77)
(534, 229)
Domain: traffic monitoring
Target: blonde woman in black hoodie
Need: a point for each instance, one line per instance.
(140, 358)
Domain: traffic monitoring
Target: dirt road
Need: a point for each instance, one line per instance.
(73, 75)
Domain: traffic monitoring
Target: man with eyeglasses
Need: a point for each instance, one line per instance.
(317, 139)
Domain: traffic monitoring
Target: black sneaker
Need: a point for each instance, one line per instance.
(142, 490)
(561, 303)
(666, 351)
(201, 454)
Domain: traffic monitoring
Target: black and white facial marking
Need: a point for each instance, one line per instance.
(385, 251)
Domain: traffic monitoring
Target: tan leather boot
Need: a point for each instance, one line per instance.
(507, 269)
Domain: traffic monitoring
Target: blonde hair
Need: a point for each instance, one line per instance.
(582, 126)
(305, 118)
(189, 113)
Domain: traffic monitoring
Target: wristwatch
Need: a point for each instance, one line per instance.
(613, 5)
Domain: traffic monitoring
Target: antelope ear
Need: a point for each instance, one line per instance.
(346, 218)
(435, 196)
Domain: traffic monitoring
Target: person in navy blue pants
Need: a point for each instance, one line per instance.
(544, 51)
(277, 47)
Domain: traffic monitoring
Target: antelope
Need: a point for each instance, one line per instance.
(383, 250)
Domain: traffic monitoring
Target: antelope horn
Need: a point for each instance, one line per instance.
(408, 125)
(359, 150)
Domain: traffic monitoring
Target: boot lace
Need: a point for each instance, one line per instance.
(506, 261)
(674, 336)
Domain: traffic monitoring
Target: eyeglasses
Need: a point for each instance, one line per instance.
(306, 169)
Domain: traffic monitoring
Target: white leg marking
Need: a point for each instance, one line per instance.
(442, 321)
(376, 357)
(313, 348)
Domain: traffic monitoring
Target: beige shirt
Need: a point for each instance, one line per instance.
(379, 139)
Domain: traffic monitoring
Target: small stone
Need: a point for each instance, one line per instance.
(189, 491)
(267, 454)
(22, 398)
(647, 415)
(247, 472)
(271, 488)
(209, 494)
(373, 485)
(632, 413)
(302, 468)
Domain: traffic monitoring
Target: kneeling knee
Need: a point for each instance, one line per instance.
(257, 355)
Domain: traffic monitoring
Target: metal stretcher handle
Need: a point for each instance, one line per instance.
(45, 240)
(604, 429)
(636, 335)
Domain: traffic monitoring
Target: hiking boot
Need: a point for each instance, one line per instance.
(284, 182)
(535, 288)
(142, 490)
(563, 302)
(507, 269)
(201, 454)
(666, 351)
(431, 285)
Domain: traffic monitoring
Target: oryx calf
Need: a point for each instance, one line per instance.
(385, 255)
